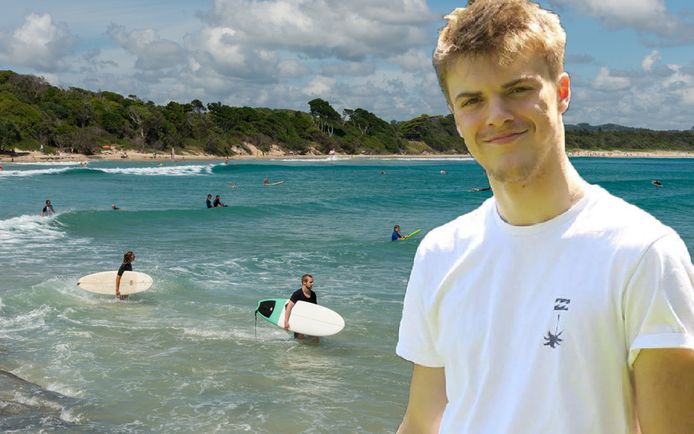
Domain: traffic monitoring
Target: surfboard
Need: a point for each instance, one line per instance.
(276, 183)
(412, 234)
(306, 318)
(131, 282)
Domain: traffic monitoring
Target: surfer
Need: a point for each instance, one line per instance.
(305, 293)
(218, 202)
(47, 209)
(657, 183)
(396, 235)
(128, 259)
(209, 201)
(476, 189)
(266, 181)
(114, 207)
(553, 307)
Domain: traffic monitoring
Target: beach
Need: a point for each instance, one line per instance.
(275, 153)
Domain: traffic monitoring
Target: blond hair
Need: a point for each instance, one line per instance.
(503, 29)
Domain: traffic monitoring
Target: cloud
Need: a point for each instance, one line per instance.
(412, 60)
(39, 43)
(326, 28)
(152, 52)
(646, 16)
(354, 69)
(649, 60)
(653, 99)
(605, 81)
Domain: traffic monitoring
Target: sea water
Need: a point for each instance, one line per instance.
(188, 355)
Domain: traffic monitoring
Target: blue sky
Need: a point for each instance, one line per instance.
(631, 61)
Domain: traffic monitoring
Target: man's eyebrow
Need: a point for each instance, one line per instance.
(524, 79)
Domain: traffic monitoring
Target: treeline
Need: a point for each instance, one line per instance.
(34, 114)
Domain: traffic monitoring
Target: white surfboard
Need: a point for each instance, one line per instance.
(131, 282)
(306, 318)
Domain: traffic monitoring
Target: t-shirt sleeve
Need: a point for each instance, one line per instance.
(416, 342)
(294, 297)
(659, 299)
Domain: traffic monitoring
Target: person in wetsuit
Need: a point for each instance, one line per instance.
(128, 259)
(48, 209)
(209, 201)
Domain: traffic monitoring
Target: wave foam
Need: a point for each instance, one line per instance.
(29, 228)
(161, 170)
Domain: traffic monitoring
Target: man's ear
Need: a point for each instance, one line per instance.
(564, 92)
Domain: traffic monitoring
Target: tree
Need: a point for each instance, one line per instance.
(9, 135)
(324, 115)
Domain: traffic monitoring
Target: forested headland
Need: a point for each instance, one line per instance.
(36, 115)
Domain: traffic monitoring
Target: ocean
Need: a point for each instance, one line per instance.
(188, 355)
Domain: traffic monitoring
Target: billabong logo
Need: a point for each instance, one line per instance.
(553, 340)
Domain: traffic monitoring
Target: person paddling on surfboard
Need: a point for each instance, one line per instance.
(396, 235)
(302, 294)
(128, 258)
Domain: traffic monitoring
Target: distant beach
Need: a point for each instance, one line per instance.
(275, 153)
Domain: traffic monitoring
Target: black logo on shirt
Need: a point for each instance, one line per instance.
(553, 340)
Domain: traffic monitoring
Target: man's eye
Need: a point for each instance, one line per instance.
(470, 102)
(520, 89)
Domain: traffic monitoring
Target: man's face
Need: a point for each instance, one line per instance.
(308, 283)
(509, 116)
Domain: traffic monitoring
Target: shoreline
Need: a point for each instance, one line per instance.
(36, 157)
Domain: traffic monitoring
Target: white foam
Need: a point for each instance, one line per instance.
(33, 172)
(187, 170)
(29, 228)
(49, 163)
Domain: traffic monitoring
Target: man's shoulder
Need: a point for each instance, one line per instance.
(462, 229)
(620, 220)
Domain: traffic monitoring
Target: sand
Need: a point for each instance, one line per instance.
(276, 153)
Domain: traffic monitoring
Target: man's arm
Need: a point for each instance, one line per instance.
(426, 403)
(287, 312)
(117, 285)
(664, 383)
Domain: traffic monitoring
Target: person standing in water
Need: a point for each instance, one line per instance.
(396, 235)
(305, 293)
(128, 259)
(48, 209)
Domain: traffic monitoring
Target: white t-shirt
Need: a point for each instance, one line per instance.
(538, 326)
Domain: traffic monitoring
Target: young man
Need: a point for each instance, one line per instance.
(554, 307)
(208, 201)
(305, 293)
(127, 265)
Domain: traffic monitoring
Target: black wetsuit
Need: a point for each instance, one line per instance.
(125, 267)
(209, 203)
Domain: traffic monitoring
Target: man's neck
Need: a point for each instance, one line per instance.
(541, 197)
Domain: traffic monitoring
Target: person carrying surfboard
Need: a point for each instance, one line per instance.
(305, 293)
(128, 259)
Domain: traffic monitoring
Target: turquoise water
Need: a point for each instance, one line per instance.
(187, 356)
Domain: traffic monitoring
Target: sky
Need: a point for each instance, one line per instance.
(631, 61)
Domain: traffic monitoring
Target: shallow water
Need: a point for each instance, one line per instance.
(187, 355)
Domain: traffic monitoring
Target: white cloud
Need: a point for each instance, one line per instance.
(354, 69)
(412, 60)
(649, 16)
(39, 43)
(321, 87)
(605, 81)
(649, 60)
(688, 96)
(153, 52)
(327, 28)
